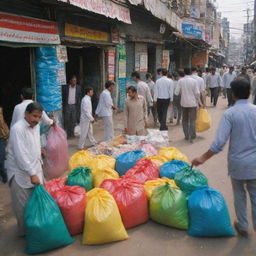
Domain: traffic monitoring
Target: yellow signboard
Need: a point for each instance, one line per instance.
(85, 33)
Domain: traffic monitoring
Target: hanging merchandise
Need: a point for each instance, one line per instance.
(157, 160)
(52, 186)
(80, 159)
(168, 206)
(169, 169)
(103, 223)
(127, 160)
(143, 171)
(72, 201)
(56, 163)
(82, 177)
(209, 215)
(44, 225)
(101, 162)
(189, 180)
(131, 200)
(102, 175)
(172, 154)
(150, 185)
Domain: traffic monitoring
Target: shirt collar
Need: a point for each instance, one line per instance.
(238, 102)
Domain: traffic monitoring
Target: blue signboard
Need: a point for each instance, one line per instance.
(192, 30)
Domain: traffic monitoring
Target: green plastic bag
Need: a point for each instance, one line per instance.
(189, 180)
(168, 206)
(44, 225)
(81, 176)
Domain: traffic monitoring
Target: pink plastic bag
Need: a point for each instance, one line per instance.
(56, 163)
(148, 148)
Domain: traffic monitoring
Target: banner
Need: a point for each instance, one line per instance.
(21, 29)
(166, 59)
(111, 56)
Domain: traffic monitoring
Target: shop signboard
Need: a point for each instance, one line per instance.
(200, 59)
(166, 59)
(111, 55)
(195, 12)
(21, 29)
(143, 62)
(193, 30)
(62, 53)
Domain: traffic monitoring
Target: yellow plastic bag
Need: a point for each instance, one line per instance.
(101, 162)
(172, 153)
(157, 160)
(203, 120)
(103, 223)
(80, 159)
(102, 175)
(150, 185)
(181, 157)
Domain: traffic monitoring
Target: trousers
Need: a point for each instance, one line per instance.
(214, 95)
(229, 96)
(189, 122)
(177, 107)
(2, 153)
(240, 188)
(19, 197)
(86, 132)
(153, 110)
(108, 128)
(162, 108)
(70, 120)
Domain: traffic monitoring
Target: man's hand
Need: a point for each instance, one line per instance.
(125, 130)
(198, 161)
(35, 180)
(114, 108)
(54, 121)
(43, 152)
(93, 121)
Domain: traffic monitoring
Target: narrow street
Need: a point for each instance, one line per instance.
(151, 238)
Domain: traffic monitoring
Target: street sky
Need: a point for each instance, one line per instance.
(235, 11)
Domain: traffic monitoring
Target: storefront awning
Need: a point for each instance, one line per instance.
(191, 39)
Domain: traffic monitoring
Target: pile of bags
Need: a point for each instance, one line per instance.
(103, 196)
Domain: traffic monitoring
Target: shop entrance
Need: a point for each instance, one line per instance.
(15, 74)
(152, 59)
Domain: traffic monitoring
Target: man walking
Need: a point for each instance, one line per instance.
(135, 113)
(71, 97)
(24, 163)
(105, 110)
(163, 96)
(214, 83)
(190, 97)
(200, 84)
(229, 77)
(177, 98)
(151, 86)
(86, 119)
(244, 75)
(238, 126)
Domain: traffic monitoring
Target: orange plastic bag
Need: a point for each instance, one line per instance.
(55, 185)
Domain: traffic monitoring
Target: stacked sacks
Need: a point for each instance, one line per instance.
(127, 160)
(101, 162)
(131, 200)
(82, 177)
(100, 176)
(157, 160)
(143, 171)
(54, 185)
(170, 169)
(80, 159)
(72, 203)
(172, 153)
(168, 206)
(189, 180)
(103, 223)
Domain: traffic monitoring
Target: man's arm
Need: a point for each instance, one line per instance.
(46, 120)
(149, 97)
(156, 91)
(178, 89)
(14, 117)
(171, 91)
(145, 112)
(126, 112)
(84, 108)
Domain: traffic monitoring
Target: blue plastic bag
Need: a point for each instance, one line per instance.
(169, 169)
(208, 214)
(44, 225)
(127, 160)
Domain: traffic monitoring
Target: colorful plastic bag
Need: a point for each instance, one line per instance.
(148, 148)
(169, 169)
(150, 185)
(189, 180)
(168, 206)
(56, 163)
(72, 202)
(82, 177)
(103, 223)
(172, 154)
(44, 225)
(131, 200)
(143, 171)
(54, 185)
(101, 162)
(203, 120)
(102, 175)
(209, 215)
(127, 160)
(157, 160)
(80, 159)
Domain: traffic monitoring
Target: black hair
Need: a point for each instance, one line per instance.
(73, 76)
(231, 67)
(194, 69)
(181, 73)
(136, 74)
(213, 69)
(187, 71)
(169, 75)
(175, 74)
(164, 72)
(88, 89)
(159, 70)
(148, 75)
(241, 88)
(109, 83)
(132, 88)
(207, 70)
(27, 93)
(34, 106)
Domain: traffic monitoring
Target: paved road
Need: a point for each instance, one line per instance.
(151, 238)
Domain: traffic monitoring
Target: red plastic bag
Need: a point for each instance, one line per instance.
(143, 171)
(131, 200)
(56, 163)
(72, 202)
(54, 185)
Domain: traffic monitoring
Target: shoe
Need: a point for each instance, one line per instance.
(186, 138)
(191, 141)
(3, 175)
(241, 232)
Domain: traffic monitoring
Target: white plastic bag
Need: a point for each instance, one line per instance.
(77, 130)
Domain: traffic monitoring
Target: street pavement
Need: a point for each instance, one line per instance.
(151, 238)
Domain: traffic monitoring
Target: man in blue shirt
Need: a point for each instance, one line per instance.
(238, 125)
